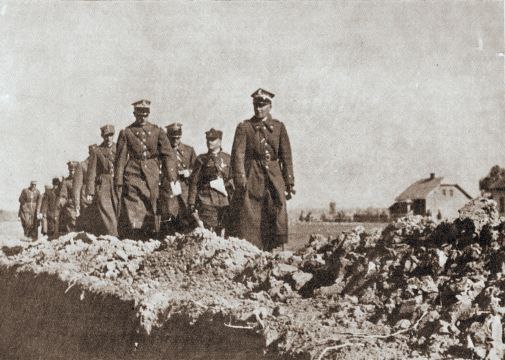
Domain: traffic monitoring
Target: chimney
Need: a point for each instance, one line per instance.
(432, 176)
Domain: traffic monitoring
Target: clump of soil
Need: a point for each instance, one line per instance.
(418, 289)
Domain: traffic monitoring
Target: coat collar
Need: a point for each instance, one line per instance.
(268, 122)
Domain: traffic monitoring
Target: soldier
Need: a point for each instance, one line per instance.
(49, 208)
(211, 184)
(101, 184)
(29, 208)
(66, 206)
(140, 149)
(263, 177)
(80, 194)
(174, 209)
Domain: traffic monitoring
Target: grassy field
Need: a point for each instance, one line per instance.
(299, 232)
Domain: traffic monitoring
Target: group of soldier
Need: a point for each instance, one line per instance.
(151, 184)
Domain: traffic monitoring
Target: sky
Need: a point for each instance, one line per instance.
(374, 94)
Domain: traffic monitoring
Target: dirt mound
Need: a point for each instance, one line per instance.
(418, 289)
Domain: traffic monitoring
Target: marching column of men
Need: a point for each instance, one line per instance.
(150, 183)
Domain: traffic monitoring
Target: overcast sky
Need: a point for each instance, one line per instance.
(374, 95)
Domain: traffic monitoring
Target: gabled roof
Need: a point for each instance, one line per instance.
(420, 189)
(498, 185)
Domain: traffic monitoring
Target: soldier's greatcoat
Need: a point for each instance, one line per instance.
(140, 149)
(49, 210)
(29, 207)
(101, 186)
(67, 211)
(261, 162)
(177, 206)
(85, 219)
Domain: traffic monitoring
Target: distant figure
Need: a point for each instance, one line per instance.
(174, 209)
(301, 218)
(49, 208)
(439, 215)
(29, 208)
(142, 148)
(308, 217)
(67, 211)
(211, 185)
(263, 176)
(100, 185)
(80, 194)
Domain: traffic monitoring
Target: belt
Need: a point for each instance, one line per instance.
(144, 157)
(265, 158)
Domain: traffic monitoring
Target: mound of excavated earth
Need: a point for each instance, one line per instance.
(417, 290)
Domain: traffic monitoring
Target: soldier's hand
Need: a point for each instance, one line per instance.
(241, 185)
(39, 216)
(290, 191)
(89, 197)
(77, 212)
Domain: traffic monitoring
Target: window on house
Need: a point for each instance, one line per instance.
(451, 192)
(502, 205)
(443, 192)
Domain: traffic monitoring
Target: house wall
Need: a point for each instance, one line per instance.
(446, 198)
(499, 197)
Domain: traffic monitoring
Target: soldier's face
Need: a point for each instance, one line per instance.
(71, 170)
(140, 115)
(261, 109)
(175, 141)
(214, 145)
(107, 139)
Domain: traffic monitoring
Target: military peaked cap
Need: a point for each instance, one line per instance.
(174, 130)
(107, 130)
(142, 104)
(56, 181)
(33, 182)
(261, 95)
(213, 134)
(72, 164)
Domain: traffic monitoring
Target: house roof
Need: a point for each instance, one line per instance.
(420, 189)
(498, 185)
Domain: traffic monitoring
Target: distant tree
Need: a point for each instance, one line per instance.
(333, 208)
(496, 173)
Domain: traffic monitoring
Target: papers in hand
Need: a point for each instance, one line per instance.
(175, 187)
(218, 185)
(184, 173)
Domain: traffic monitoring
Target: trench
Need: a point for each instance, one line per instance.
(38, 320)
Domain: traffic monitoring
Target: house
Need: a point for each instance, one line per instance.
(430, 196)
(497, 192)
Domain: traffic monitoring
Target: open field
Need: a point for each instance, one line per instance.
(299, 232)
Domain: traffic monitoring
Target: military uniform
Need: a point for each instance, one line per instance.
(67, 209)
(49, 209)
(174, 209)
(140, 148)
(209, 200)
(29, 208)
(101, 186)
(80, 192)
(262, 171)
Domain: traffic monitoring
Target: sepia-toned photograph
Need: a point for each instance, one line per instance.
(281, 180)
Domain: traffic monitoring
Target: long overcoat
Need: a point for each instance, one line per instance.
(79, 188)
(261, 163)
(101, 186)
(29, 207)
(140, 149)
(176, 205)
(49, 210)
(67, 212)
